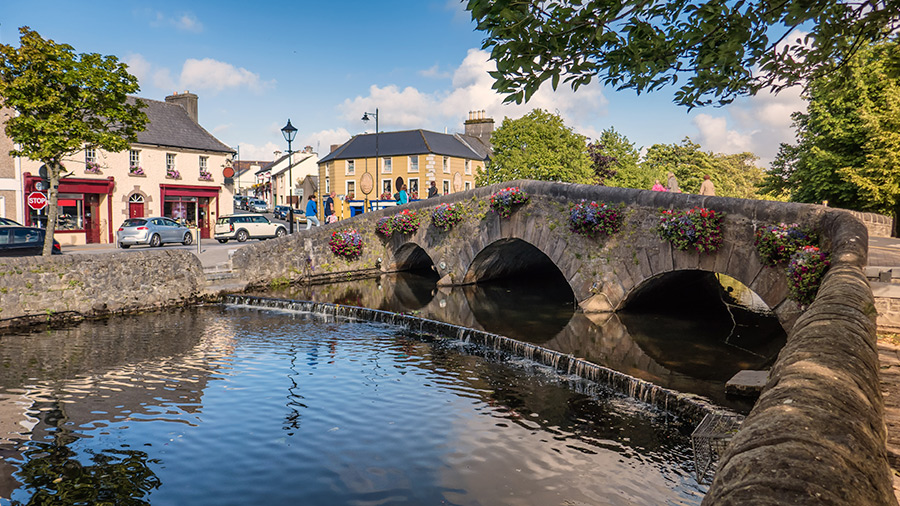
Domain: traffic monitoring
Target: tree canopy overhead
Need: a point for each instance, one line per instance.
(720, 50)
(64, 102)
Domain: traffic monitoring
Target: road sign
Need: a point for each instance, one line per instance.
(37, 200)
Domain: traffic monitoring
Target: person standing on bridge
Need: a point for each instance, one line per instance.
(328, 207)
(706, 187)
(311, 212)
(432, 190)
(672, 184)
(657, 187)
(402, 196)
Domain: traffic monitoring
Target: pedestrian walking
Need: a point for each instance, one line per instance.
(672, 183)
(706, 187)
(311, 211)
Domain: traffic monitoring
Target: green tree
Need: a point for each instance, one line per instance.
(65, 102)
(733, 175)
(624, 160)
(848, 145)
(723, 49)
(537, 146)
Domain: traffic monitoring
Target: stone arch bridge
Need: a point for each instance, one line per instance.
(604, 273)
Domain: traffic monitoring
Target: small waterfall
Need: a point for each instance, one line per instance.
(690, 408)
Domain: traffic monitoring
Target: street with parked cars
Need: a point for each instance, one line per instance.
(153, 232)
(18, 240)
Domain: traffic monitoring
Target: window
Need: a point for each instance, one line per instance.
(386, 165)
(203, 164)
(70, 212)
(170, 162)
(446, 186)
(468, 185)
(468, 168)
(414, 163)
(327, 186)
(386, 191)
(351, 189)
(134, 159)
(351, 167)
(446, 164)
(413, 186)
(90, 155)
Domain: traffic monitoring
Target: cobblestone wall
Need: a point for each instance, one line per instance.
(878, 225)
(98, 284)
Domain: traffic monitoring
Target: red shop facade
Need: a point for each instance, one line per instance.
(195, 205)
(79, 202)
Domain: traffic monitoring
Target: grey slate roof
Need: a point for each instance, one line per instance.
(171, 126)
(410, 142)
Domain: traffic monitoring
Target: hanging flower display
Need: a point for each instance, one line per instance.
(805, 272)
(592, 218)
(777, 243)
(383, 226)
(504, 201)
(346, 243)
(699, 227)
(446, 216)
(404, 222)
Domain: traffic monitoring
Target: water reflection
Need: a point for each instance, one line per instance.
(695, 354)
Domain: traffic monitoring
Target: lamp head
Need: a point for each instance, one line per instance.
(289, 132)
(365, 117)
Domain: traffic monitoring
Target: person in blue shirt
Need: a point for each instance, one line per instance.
(311, 212)
(402, 197)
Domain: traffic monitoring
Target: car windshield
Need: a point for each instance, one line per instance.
(223, 221)
(134, 223)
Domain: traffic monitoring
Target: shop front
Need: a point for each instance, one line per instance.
(191, 205)
(80, 205)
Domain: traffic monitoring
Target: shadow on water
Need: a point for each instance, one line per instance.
(680, 335)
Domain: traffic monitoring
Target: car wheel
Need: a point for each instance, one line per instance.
(188, 239)
(155, 241)
(124, 246)
(223, 241)
(280, 232)
(242, 235)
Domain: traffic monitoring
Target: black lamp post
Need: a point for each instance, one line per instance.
(365, 118)
(289, 133)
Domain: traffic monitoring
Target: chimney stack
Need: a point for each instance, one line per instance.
(478, 125)
(188, 101)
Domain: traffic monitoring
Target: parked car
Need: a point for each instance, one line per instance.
(257, 205)
(19, 241)
(9, 222)
(240, 201)
(247, 226)
(153, 232)
(281, 212)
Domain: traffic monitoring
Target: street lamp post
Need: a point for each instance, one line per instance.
(365, 119)
(289, 133)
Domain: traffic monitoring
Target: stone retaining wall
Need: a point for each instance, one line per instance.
(878, 225)
(97, 284)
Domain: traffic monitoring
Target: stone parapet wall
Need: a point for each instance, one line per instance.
(98, 284)
(878, 225)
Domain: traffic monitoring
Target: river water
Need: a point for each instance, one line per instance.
(226, 405)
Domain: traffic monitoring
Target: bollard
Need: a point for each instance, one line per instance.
(197, 236)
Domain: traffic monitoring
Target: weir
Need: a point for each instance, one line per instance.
(688, 407)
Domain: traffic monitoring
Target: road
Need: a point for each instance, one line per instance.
(211, 252)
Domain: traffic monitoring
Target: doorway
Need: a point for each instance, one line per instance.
(136, 206)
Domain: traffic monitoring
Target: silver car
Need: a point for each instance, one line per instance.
(257, 205)
(152, 232)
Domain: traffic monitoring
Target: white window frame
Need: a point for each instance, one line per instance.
(350, 168)
(204, 164)
(134, 158)
(446, 186)
(413, 163)
(170, 161)
(409, 186)
(468, 185)
(90, 155)
(445, 164)
(387, 165)
(468, 167)
(389, 187)
(327, 187)
(350, 188)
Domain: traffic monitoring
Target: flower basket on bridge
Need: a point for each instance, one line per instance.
(700, 228)
(504, 202)
(446, 216)
(404, 222)
(777, 243)
(805, 272)
(383, 226)
(346, 243)
(592, 218)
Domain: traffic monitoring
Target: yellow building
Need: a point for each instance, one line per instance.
(373, 167)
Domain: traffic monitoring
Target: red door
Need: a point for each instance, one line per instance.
(92, 218)
(203, 217)
(135, 209)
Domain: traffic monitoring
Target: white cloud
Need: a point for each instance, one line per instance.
(470, 90)
(758, 124)
(213, 75)
(188, 23)
(185, 22)
(322, 140)
(265, 152)
(434, 72)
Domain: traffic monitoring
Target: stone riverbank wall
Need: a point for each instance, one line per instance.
(37, 288)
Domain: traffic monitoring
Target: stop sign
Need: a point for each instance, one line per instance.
(37, 200)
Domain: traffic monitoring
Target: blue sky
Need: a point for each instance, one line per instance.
(322, 64)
